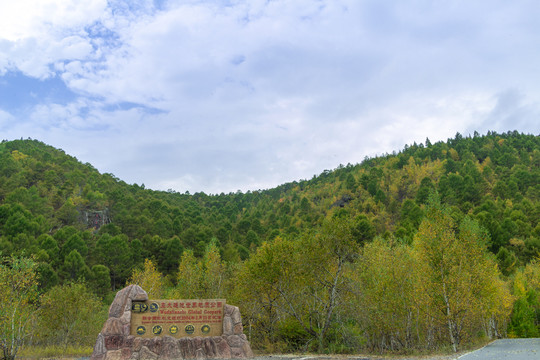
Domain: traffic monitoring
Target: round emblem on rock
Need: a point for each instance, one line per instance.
(154, 307)
(141, 330)
(156, 330)
(173, 329)
(139, 307)
(190, 329)
(205, 329)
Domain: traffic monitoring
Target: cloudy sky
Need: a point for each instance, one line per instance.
(223, 95)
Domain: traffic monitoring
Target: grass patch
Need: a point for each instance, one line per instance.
(54, 351)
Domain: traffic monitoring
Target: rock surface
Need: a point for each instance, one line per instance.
(114, 342)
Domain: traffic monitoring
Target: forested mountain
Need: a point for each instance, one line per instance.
(45, 193)
(79, 224)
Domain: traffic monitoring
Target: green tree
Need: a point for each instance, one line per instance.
(63, 234)
(100, 280)
(523, 322)
(74, 267)
(21, 221)
(350, 183)
(47, 276)
(305, 206)
(411, 214)
(507, 261)
(252, 239)
(170, 258)
(114, 253)
(525, 318)
(425, 189)
(136, 252)
(75, 242)
(363, 230)
(68, 213)
(50, 245)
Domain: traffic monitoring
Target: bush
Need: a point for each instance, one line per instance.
(293, 334)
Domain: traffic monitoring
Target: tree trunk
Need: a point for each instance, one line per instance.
(449, 319)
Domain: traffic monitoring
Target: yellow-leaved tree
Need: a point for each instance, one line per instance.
(70, 314)
(261, 281)
(384, 289)
(526, 290)
(459, 280)
(18, 298)
(189, 277)
(214, 273)
(299, 285)
(204, 278)
(532, 273)
(149, 278)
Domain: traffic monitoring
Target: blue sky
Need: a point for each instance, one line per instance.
(219, 96)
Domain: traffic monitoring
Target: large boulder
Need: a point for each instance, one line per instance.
(115, 342)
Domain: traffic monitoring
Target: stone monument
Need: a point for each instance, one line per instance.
(140, 329)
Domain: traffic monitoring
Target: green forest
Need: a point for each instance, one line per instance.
(435, 247)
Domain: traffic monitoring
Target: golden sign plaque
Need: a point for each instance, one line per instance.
(177, 318)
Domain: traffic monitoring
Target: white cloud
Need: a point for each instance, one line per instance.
(5, 119)
(36, 34)
(511, 110)
(214, 96)
(23, 19)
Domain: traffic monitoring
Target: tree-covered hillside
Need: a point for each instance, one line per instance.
(80, 225)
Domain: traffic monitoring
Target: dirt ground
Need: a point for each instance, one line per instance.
(313, 357)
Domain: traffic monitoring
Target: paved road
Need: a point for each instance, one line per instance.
(504, 349)
(507, 349)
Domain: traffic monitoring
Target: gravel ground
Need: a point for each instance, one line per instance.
(358, 357)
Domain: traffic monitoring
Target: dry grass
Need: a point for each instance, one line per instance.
(55, 352)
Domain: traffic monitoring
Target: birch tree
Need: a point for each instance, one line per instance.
(261, 282)
(457, 276)
(149, 278)
(18, 296)
(202, 278)
(70, 314)
(385, 291)
(303, 279)
(325, 260)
